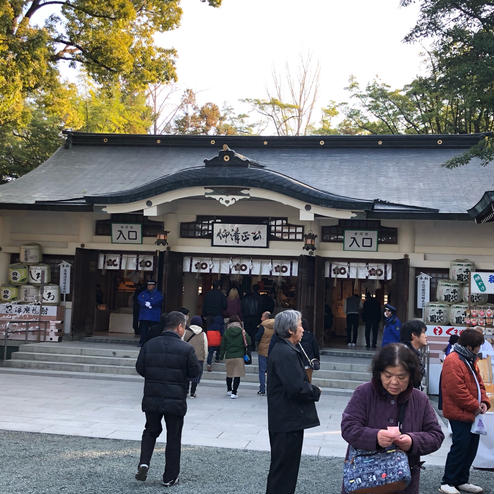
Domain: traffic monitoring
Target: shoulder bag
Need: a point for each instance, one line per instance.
(379, 472)
(247, 354)
(314, 363)
(478, 426)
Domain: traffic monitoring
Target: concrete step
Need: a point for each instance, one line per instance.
(337, 372)
(218, 368)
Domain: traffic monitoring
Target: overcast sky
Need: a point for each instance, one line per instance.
(229, 53)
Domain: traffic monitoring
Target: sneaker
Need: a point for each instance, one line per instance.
(261, 393)
(169, 483)
(209, 368)
(233, 396)
(142, 472)
(448, 489)
(193, 395)
(475, 489)
(348, 344)
(229, 392)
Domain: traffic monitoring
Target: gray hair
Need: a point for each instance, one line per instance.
(286, 322)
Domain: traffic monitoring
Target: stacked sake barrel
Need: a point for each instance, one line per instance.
(454, 303)
(29, 280)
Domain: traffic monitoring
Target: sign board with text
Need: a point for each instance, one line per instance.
(482, 282)
(360, 240)
(238, 235)
(423, 290)
(126, 233)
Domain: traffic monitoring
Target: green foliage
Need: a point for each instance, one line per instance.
(112, 41)
(463, 68)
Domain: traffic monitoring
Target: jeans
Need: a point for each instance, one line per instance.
(461, 455)
(152, 430)
(351, 327)
(211, 351)
(263, 367)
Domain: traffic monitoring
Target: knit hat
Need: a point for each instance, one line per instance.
(196, 321)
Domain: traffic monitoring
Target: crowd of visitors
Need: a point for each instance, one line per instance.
(389, 414)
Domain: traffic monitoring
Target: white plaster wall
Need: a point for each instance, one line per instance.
(428, 243)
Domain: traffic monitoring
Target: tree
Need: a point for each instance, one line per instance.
(462, 31)
(111, 41)
(289, 107)
(208, 119)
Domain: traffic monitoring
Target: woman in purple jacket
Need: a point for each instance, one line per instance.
(370, 420)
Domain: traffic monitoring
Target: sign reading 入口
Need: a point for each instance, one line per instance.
(238, 235)
(360, 240)
(126, 233)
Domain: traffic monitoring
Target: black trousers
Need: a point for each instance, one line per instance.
(371, 326)
(286, 449)
(351, 327)
(152, 430)
(461, 455)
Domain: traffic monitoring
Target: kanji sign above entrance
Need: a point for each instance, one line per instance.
(360, 240)
(126, 233)
(239, 235)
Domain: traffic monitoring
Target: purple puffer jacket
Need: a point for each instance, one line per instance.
(371, 408)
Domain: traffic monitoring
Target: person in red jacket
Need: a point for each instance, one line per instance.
(464, 398)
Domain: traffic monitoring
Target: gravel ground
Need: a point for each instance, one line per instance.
(50, 464)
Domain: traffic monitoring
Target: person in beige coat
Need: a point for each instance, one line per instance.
(265, 331)
(197, 338)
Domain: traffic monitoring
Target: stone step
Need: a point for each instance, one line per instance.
(217, 373)
(115, 370)
(327, 363)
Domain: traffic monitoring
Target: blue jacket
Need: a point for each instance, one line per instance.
(155, 298)
(391, 333)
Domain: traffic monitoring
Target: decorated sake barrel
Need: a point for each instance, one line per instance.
(475, 298)
(437, 313)
(8, 293)
(460, 269)
(39, 273)
(18, 274)
(29, 294)
(30, 253)
(449, 291)
(457, 314)
(51, 295)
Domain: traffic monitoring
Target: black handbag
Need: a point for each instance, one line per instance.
(247, 354)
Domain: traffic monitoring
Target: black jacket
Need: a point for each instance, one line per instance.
(291, 398)
(372, 311)
(167, 363)
(214, 303)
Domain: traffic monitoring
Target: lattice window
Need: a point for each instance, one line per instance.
(385, 235)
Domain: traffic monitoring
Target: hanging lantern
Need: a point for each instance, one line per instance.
(162, 238)
(310, 242)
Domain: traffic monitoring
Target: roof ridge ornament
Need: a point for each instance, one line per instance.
(229, 158)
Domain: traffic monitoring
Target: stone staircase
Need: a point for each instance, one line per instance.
(340, 370)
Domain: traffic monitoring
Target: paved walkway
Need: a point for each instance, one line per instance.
(111, 409)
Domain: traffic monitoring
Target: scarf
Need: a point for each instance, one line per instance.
(467, 354)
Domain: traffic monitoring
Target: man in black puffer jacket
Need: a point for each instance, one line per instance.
(167, 363)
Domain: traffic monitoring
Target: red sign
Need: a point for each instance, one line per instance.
(438, 330)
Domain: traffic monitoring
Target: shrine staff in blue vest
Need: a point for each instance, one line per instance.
(150, 301)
